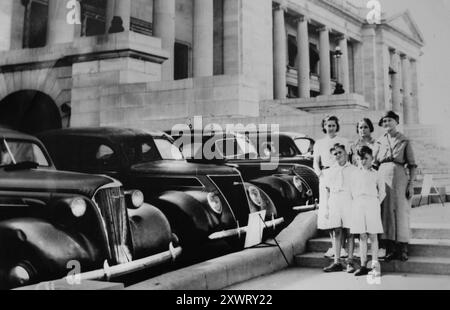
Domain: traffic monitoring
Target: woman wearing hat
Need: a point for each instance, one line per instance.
(395, 158)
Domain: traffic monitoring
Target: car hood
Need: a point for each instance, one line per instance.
(180, 167)
(52, 181)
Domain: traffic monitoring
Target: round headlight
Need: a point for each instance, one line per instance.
(255, 196)
(214, 202)
(137, 198)
(78, 207)
(298, 184)
(19, 276)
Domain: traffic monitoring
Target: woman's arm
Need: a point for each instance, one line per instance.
(410, 187)
(316, 163)
(412, 167)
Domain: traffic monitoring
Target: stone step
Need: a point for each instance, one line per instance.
(430, 231)
(415, 265)
(417, 247)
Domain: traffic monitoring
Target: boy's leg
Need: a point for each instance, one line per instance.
(363, 246)
(375, 264)
(336, 266)
(338, 244)
(330, 252)
(351, 246)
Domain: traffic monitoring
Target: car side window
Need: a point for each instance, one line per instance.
(305, 146)
(98, 156)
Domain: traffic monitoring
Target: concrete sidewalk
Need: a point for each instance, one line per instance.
(242, 266)
(314, 279)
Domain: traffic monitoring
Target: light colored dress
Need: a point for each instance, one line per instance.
(338, 181)
(322, 148)
(394, 156)
(368, 191)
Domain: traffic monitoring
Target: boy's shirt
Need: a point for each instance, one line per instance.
(367, 183)
(339, 178)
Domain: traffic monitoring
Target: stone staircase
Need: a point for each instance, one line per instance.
(429, 252)
(432, 151)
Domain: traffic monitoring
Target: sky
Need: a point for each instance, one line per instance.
(433, 19)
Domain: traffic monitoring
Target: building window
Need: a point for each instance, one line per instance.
(292, 51)
(181, 61)
(314, 59)
(93, 17)
(35, 23)
(333, 66)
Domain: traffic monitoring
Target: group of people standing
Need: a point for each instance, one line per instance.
(365, 191)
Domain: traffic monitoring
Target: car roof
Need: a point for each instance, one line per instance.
(13, 134)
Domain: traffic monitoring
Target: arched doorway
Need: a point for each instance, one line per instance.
(29, 111)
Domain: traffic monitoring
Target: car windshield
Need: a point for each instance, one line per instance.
(236, 147)
(168, 150)
(14, 152)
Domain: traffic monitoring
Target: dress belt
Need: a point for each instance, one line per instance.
(390, 161)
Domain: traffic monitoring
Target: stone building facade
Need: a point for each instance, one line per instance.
(154, 63)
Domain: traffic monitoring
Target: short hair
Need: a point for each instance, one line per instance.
(338, 146)
(330, 118)
(364, 150)
(368, 122)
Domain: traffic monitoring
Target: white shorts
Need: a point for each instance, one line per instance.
(366, 216)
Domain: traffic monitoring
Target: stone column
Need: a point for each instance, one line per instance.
(325, 73)
(396, 83)
(121, 15)
(344, 72)
(358, 65)
(203, 47)
(6, 19)
(279, 52)
(407, 100)
(415, 90)
(58, 28)
(370, 65)
(304, 83)
(164, 28)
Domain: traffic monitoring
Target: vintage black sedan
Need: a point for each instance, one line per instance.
(292, 186)
(53, 221)
(202, 202)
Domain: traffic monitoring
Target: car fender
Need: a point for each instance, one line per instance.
(51, 250)
(151, 231)
(188, 217)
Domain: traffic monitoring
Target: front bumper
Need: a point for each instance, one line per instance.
(243, 230)
(109, 272)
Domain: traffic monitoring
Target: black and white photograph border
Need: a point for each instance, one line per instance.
(224, 145)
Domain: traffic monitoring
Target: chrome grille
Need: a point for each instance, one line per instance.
(111, 202)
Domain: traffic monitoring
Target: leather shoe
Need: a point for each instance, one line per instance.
(335, 267)
(363, 271)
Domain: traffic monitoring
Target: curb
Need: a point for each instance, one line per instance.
(237, 267)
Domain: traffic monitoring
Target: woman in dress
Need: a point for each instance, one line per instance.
(323, 161)
(364, 129)
(397, 168)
